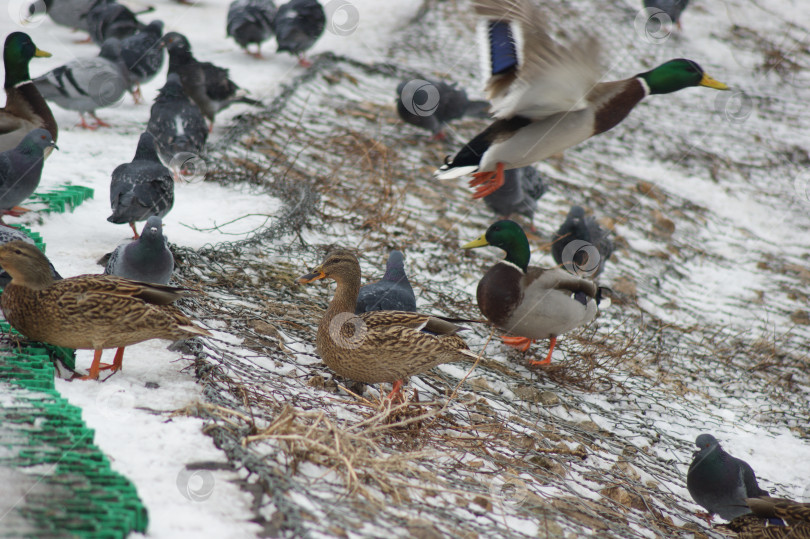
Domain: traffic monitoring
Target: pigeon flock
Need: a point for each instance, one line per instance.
(543, 98)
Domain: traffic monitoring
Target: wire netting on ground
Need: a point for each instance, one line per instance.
(598, 442)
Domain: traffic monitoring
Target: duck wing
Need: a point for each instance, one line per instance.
(531, 74)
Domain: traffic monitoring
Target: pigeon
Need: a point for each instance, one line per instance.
(70, 13)
(142, 54)
(577, 239)
(25, 107)
(522, 188)
(21, 170)
(176, 123)
(111, 19)
(146, 259)
(392, 293)
(87, 84)
(206, 84)
(8, 234)
(672, 8)
(141, 188)
(251, 21)
(719, 482)
(298, 25)
(430, 104)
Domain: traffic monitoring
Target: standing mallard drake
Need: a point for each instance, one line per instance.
(531, 302)
(25, 108)
(89, 311)
(546, 97)
(378, 346)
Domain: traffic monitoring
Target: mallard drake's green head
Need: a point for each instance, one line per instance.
(17, 52)
(676, 75)
(509, 236)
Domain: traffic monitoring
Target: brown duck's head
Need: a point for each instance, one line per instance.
(340, 265)
(26, 264)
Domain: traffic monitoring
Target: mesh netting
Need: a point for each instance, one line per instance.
(596, 443)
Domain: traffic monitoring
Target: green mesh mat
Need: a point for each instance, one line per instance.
(53, 481)
(59, 200)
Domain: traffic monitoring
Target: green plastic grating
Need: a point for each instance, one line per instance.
(64, 197)
(55, 481)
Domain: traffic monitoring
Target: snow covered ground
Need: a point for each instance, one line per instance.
(132, 421)
(732, 182)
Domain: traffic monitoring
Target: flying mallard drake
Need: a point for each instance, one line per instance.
(531, 302)
(25, 108)
(378, 346)
(547, 97)
(88, 311)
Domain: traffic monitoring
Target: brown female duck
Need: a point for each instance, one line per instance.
(378, 346)
(25, 108)
(773, 518)
(89, 311)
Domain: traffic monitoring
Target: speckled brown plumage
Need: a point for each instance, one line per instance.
(756, 525)
(378, 346)
(89, 311)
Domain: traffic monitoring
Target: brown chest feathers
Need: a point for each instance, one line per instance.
(615, 102)
(499, 292)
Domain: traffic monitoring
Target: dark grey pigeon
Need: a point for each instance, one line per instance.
(206, 84)
(522, 188)
(298, 25)
(719, 482)
(430, 104)
(141, 188)
(392, 293)
(111, 19)
(147, 259)
(672, 8)
(21, 169)
(251, 21)
(87, 84)
(579, 238)
(176, 123)
(8, 234)
(142, 54)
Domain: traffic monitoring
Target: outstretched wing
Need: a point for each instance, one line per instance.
(531, 74)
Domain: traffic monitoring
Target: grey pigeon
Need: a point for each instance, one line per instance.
(251, 21)
(298, 25)
(672, 8)
(141, 188)
(142, 54)
(147, 259)
(579, 238)
(719, 482)
(87, 84)
(70, 13)
(392, 293)
(111, 19)
(206, 84)
(430, 104)
(522, 188)
(21, 169)
(8, 234)
(176, 123)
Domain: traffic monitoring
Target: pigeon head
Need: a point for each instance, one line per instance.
(153, 230)
(36, 142)
(172, 89)
(17, 52)
(155, 28)
(147, 148)
(111, 49)
(395, 267)
(177, 44)
(705, 441)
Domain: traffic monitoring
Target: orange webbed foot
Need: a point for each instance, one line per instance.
(546, 361)
(487, 182)
(521, 343)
